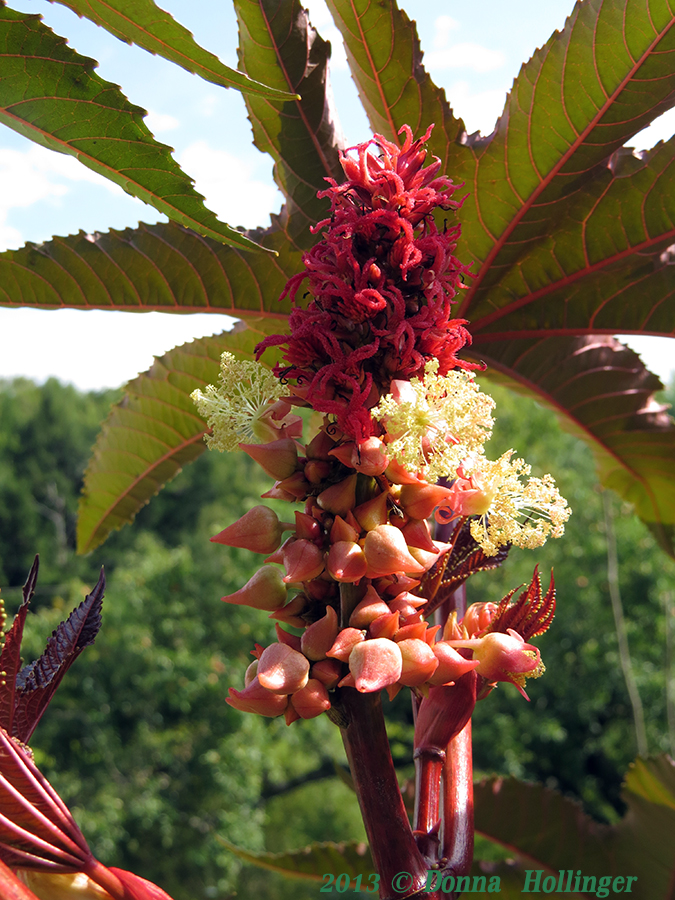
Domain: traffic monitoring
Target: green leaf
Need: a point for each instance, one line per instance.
(153, 432)
(592, 87)
(604, 394)
(277, 44)
(384, 55)
(553, 833)
(145, 24)
(51, 95)
(313, 862)
(160, 267)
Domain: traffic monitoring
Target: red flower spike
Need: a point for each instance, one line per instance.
(383, 267)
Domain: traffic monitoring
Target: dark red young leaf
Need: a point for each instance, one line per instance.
(37, 682)
(531, 614)
(10, 658)
(455, 566)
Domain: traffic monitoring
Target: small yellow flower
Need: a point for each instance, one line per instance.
(437, 422)
(238, 409)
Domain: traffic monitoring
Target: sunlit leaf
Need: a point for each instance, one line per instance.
(153, 432)
(277, 44)
(313, 862)
(52, 95)
(145, 24)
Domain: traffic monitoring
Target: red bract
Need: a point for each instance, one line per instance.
(382, 281)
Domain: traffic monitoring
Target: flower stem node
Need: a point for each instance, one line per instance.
(258, 530)
(265, 590)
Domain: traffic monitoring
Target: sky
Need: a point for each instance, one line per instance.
(473, 50)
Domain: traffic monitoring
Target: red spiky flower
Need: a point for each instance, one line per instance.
(382, 282)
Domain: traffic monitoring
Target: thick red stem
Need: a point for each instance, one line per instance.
(390, 836)
(458, 804)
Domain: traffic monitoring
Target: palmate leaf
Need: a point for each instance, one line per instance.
(604, 394)
(51, 95)
(153, 432)
(161, 267)
(552, 833)
(155, 30)
(277, 44)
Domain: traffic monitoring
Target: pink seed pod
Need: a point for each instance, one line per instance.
(327, 671)
(312, 700)
(419, 662)
(387, 552)
(258, 530)
(257, 699)
(282, 670)
(373, 512)
(318, 638)
(344, 643)
(370, 608)
(385, 626)
(346, 562)
(278, 458)
(266, 590)
(303, 561)
(375, 664)
(339, 498)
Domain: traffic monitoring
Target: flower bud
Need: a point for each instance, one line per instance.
(303, 561)
(478, 616)
(296, 485)
(282, 670)
(342, 531)
(318, 638)
(278, 458)
(398, 474)
(346, 562)
(506, 657)
(291, 613)
(373, 512)
(387, 552)
(258, 530)
(370, 457)
(444, 713)
(312, 700)
(420, 500)
(339, 498)
(370, 608)
(451, 664)
(307, 527)
(257, 699)
(419, 662)
(418, 534)
(344, 643)
(285, 637)
(266, 590)
(250, 673)
(385, 626)
(317, 470)
(375, 664)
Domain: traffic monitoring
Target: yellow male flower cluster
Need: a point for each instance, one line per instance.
(435, 422)
(238, 409)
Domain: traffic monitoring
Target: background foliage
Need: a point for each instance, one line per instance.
(138, 739)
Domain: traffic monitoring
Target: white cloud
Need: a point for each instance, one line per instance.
(208, 105)
(657, 353)
(661, 129)
(480, 111)
(473, 57)
(93, 349)
(158, 122)
(321, 19)
(229, 186)
(442, 28)
(38, 175)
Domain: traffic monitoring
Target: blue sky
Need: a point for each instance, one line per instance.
(474, 50)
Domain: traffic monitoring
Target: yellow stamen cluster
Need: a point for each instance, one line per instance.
(435, 425)
(523, 514)
(235, 408)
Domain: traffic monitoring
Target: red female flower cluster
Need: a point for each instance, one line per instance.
(382, 282)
